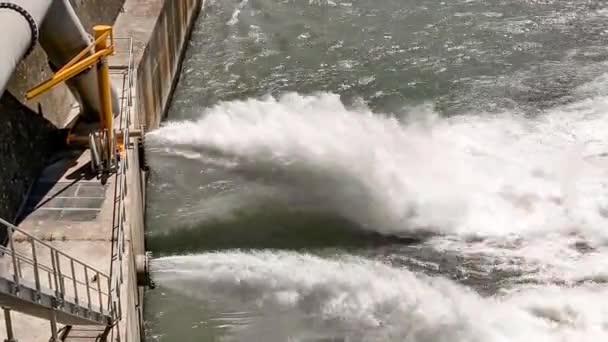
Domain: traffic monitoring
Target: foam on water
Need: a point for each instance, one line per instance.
(234, 19)
(476, 174)
(363, 300)
(566, 260)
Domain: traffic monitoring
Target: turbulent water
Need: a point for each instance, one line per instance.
(411, 170)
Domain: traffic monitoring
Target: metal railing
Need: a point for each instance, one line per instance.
(37, 264)
(119, 214)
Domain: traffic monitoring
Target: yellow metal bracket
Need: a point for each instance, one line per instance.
(102, 47)
(77, 64)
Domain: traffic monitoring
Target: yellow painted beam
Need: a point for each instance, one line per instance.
(68, 73)
(103, 79)
(82, 53)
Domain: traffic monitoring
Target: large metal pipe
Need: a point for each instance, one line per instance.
(62, 36)
(55, 24)
(18, 32)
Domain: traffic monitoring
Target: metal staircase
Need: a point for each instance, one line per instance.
(41, 281)
(83, 333)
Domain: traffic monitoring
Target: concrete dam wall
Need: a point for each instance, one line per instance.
(161, 60)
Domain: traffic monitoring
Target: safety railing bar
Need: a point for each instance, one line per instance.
(114, 236)
(14, 259)
(30, 261)
(27, 260)
(20, 274)
(86, 277)
(130, 71)
(43, 267)
(35, 266)
(111, 298)
(59, 275)
(80, 262)
(99, 292)
(55, 278)
(15, 229)
(75, 283)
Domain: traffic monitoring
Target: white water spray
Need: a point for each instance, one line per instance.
(363, 300)
(485, 175)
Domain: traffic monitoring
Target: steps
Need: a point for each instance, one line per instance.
(41, 281)
(84, 333)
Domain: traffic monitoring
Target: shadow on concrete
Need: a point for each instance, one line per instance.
(27, 141)
(54, 184)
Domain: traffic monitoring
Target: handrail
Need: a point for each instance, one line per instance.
(45, 268)
(77, 278)
(120, 192)
(30, 236)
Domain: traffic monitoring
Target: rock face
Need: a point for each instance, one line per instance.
(27, 140)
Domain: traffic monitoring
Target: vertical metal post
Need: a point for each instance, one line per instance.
(60, 276)
(110, 294)
(99, 292)
(94, 152)
(9, 326)
(55, 278)
(86, 277)
(54, 326)
(103, 79)
(36, 271)
(118, 301)
(19, 267)
(13, 256)
(74, 281)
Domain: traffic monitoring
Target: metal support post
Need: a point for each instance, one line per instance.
(105, 89)
(9, 326)
(54, 326)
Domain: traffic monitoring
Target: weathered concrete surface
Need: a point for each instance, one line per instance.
(160, 64)
(83, 237)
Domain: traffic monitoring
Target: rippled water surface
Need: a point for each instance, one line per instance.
(387, 170)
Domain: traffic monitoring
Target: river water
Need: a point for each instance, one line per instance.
(389, 170)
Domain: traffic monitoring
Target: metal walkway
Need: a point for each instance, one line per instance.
(39, 280)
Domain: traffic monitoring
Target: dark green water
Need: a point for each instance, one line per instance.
(386, 170)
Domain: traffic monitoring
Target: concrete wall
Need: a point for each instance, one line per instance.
(160, 30)
(160, 64)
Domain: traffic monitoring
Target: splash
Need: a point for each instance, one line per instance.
(468, 175)
(362, 300)
(234, 19)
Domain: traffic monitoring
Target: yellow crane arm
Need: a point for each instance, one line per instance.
(64, 75)
(75, 66)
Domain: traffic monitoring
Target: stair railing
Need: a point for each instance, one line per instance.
(39, 265)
